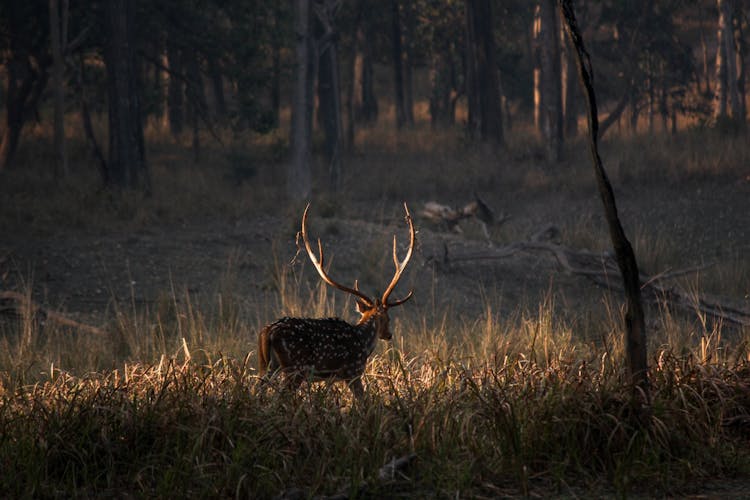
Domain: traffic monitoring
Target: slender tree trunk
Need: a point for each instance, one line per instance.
(299, 176)
(329, 94)
(217, 89)
(741, 47)
(704, 62)
(196, 98)
(635, 324)
(368, 110)
(408, 34)
(484, 80)
(58, 35)
(25, 84)
(127, 155)
(398, 66)
(722, 78)
(276, 46)
(88, 128)
(728, 7)
(551, 80)
(175, 88)
(570, 87)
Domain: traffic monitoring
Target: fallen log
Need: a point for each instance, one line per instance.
(601, 268)
(22, 305)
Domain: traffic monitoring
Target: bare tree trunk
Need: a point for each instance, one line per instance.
(551, 80)
(25, 83)
(398, 65)
(740, 51)
(299, 176)
(483, 75)
(217, 89)
(329, 94)
(570, 87)
(722, 77)
(408, 60)
(635, 324)
(88, 128)
(704, 62)
(730, 56)
(175, 88)
(58, 16)
(196, 97)
(127, 154)
(536, 51)
(276, 46)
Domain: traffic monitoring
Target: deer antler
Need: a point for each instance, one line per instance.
(400, 266)
(321, 270)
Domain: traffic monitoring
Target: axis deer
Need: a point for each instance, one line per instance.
(331, 348)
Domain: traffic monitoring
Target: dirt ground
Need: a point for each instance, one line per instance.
(81, 273)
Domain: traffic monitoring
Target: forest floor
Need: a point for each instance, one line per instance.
(701, 224)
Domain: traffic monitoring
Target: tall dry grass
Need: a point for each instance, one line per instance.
(496, 406)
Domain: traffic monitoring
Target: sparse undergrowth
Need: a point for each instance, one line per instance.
(494, 407)
(509, 426)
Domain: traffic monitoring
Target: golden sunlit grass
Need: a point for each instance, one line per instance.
(494, 406)
(512, 405)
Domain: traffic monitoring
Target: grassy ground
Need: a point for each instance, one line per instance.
(497, 384)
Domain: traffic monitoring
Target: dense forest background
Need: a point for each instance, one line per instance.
(209, 71)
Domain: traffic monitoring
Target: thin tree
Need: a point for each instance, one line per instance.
(329, 93)
(299, 177)
(58, 20)
(127, 154)
(549, 80)
(635, 325)
(398, 66)
(482, 80)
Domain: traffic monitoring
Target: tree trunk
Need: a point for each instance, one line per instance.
(408, 34)
(329, 94)
(398, 65)
(368, 108)
(635, 324)
(127, 155)
(726, 100)
(175, 88)
(195, 93)
(58, 37)
(551, 80)
(276, 46)
(570, 87)
(217, 89)
(442, 104)
(88, 127)
(25, 83)
(299, 177)
(741, 50)
(728, 8)
(483, 75)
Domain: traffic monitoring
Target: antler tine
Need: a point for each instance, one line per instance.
(318, 264)
(400, 266)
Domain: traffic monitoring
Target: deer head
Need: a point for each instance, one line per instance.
(370, 310)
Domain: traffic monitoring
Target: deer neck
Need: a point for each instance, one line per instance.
(368, 329)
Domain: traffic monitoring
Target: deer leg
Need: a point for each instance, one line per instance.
(355, 385)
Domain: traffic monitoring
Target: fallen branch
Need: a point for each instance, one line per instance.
(602, 269)
(25, 306)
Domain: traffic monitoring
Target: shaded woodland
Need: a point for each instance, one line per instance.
(199, 69)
